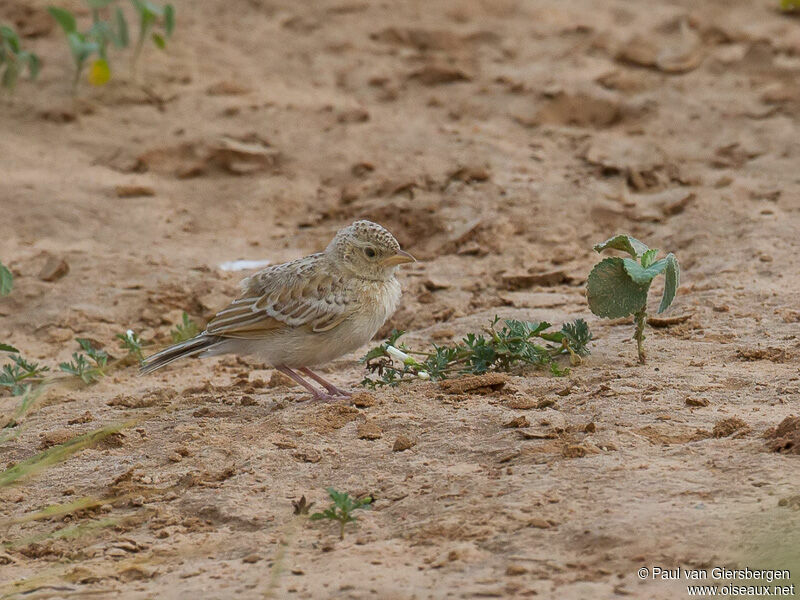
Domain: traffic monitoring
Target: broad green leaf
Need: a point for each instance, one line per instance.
(158, 40)
(649, 257)
(10, 36)
(6, 280)
(8, 348)
(640, 275)
(99, 72)
(64, 18)
(611, 292)
(33, 63)
(79, 47)
(672, 275)
(153, 8)
(169, 19)
(123, 38)
(625, 243)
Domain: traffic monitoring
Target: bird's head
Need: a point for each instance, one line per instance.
(367, 250)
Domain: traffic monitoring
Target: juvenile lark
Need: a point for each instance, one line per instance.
(308, 311)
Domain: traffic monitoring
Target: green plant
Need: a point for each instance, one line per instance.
(504, 349)
(185, 331)
(6, 280)
(80, 366)
(56, 454)
(112, 30)
(618, 287)
(342, 509)
(21, 374)
(132, 343)
(151, 14)
(13, 61)
(789, 5)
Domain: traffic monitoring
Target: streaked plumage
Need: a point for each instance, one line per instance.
(308, 311)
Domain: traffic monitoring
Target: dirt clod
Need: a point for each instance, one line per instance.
(479, 384)
(729, 426)
(785, 438)
(403, 442)
(517, 422)
(54, 269)
(369, 430)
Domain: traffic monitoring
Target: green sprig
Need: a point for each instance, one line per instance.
(515, 345)
(342, 509)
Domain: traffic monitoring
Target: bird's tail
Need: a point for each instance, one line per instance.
(191, 347)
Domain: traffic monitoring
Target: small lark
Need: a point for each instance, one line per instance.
(308, 311)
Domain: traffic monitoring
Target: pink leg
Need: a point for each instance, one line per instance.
(326, 384)
(295, 377)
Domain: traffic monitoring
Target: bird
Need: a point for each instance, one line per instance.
(308, 311)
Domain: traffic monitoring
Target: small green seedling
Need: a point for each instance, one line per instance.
(501, 349)
(151, 14)
(81, 45)
(13, 61)
(618, 287)
(186, 331)
(21, 374)
(132, 343)
(342, 509)
(79, 366)
(6, 280)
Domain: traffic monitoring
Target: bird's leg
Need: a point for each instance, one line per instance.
(314, 391)
(324, 383)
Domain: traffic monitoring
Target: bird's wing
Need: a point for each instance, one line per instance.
(295, 294)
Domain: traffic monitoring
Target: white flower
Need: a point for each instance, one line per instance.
(129, 334)
(398, 355)
(423, 375)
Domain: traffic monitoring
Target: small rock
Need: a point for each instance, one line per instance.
(513, 570)
(475, 383)
(251, 558)
(84, 418)
(54, 269)
(696, 401)
(539, 523)
(363, 399)
(369, 430)
(402, 443)
(520, 421)
(523, 403)
(133, 191)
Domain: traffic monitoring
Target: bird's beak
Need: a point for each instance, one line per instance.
(398, 258)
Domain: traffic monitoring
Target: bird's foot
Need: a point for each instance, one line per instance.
(325, 397)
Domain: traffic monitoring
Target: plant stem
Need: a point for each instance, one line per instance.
(75, 80)
(137, 51)
(341, 530)
(640, 318)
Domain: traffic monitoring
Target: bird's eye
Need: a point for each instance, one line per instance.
(369, 251)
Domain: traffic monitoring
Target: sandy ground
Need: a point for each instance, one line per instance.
(498, 139)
